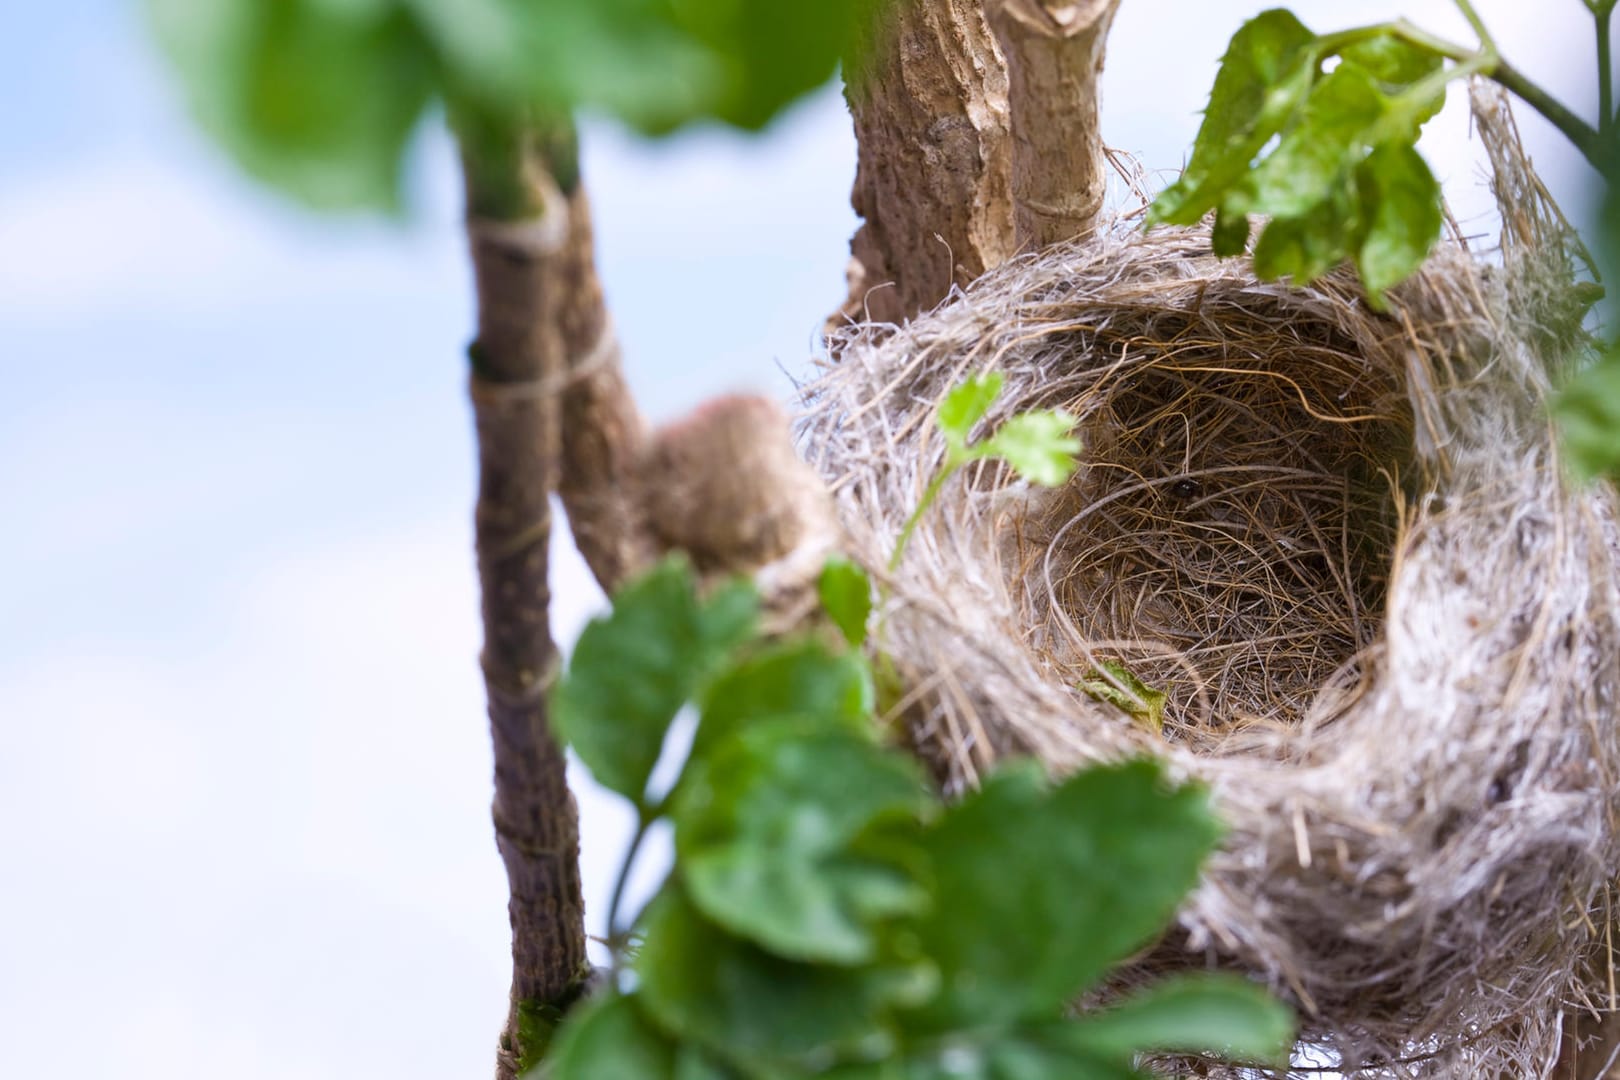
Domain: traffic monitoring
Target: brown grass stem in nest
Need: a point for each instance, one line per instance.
(1343, 542)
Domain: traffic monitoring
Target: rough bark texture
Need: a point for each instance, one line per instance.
(604, 436)
(932, 180)
(518, 364)
(1054, 54)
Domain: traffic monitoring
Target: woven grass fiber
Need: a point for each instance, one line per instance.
(1344, 544)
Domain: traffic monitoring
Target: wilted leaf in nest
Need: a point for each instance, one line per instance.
(1114, 684)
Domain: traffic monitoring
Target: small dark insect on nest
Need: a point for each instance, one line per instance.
(1342, 542)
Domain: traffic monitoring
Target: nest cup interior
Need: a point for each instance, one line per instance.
(1228, 538)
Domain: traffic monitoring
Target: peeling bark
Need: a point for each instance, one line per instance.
(933, 183)
(1054, 51)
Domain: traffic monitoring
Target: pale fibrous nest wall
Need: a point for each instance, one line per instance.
(1343, 542)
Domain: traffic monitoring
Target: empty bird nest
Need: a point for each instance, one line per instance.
(1342, 542)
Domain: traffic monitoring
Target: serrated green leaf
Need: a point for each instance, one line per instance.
(765, 834)
(1217, 1014)
(609, 1037)
(966, 405)
(1305, 247)
(1038, 445)
(1115, 684)
(702, 984)
(797, 679)
(632, 670)
(1401, 206)
(1396, 65)
(1264, 75)
(317, 98)
(846, 596)
(1087, 872)
(1315, 157)
(1588, 412)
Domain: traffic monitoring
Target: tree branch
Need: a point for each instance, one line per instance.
(519, 229)
(928, 95)
(1054, 51)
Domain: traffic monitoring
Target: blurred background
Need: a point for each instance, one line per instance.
(244, 770)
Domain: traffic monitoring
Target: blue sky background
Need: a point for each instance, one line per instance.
(244, 776)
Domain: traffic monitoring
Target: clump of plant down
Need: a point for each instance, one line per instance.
(1321, 554)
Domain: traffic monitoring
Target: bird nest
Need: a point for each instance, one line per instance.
(1342, 543)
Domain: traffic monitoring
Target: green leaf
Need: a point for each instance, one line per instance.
(1588, 412)
(1305, 247)
(700, 983)
(609, 1037)
(1396, 65)
(317, 97)
(1315, 158)
(846, 596)
(1115, 684)
(800, 678)
(966, 405)
(1218, 1014)
(1043, 889)
(765, 835)
(1038, 445)
(1402, 209)
(1265, 74)
(631, 671)
(1017, 1054)
(1231, 234)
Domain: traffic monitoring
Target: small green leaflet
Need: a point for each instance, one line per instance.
(846, 596)
(632, 670)
(966, 405)
(1329, 159)
(1116, 685)
(1038, 445)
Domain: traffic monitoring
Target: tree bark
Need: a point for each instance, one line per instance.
(928, 95)
(519, 228)
(1054, 52)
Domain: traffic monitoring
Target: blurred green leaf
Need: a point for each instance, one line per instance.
(801, 678)
(765, 834)
(1263, 77)
(609, 1037)
(1404, 218)
(1304, 247)
(1588, 411)
(1117, 685)
(846, 596)
(701, 984)
(317, 97)
(632, 670)
(1038, 445)
(1397, 65)
(1219, 1014)
(1043, 888)
(966, 405)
